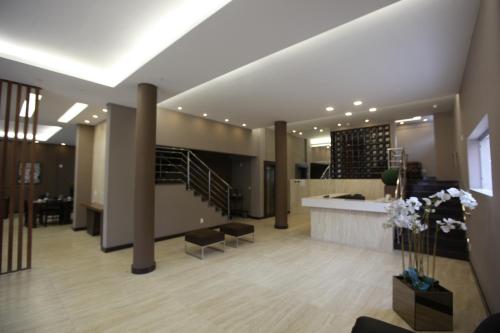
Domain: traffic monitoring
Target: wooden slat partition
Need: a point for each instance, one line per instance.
(22, 135)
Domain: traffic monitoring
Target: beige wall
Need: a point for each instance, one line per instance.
(83, 174)
(98, 163)
(444, 134)
(178, 129)
(479, 96)
(418, 142)
(320, 154)
(119, 177)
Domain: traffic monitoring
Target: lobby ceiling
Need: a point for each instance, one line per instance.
(252, 61)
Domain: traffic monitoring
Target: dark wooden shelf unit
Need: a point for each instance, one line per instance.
(360, 152)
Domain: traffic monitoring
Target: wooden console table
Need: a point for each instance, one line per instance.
(94, 218)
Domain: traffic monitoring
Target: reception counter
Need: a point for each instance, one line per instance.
(351, 222)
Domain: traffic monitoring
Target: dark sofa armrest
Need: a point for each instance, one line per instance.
(370, 325)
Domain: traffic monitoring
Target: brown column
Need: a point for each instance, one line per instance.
(281, 202)
(145, 141)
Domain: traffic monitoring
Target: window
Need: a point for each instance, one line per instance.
(485, 160)
(479, 154)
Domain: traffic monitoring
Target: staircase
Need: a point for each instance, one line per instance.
(450, 245)
(176, 165)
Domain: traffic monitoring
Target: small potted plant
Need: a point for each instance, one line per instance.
(417, 296)
(390, 180)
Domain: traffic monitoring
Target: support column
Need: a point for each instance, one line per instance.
(144, 210)
(281, 202)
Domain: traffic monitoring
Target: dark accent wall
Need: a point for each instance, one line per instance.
(57, 168)
(360, 152)
(480, 96)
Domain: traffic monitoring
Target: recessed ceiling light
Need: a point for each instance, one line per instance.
(205, 115)
(244, 125)
(339, 124)
(179, 108)
(425, 119)
(31, 110)
(367, 120)
(95, 116)
(226, 120)
(72, 112)
(372, 109)
(315, 127)
(401, 123)
(348, 114)
(321, 130)
(328, 147)
(63, 144)
(435, 106)
(294, 131)
(300, 133)
(329, 108)
(104, 110)
(358, 103)
(87, 121)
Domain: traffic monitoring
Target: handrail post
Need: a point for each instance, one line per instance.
(188, 172)
(209, 185)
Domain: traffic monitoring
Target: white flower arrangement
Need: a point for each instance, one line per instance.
(412, 216)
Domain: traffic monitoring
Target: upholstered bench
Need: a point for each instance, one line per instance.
(204, 238)
(238, 230)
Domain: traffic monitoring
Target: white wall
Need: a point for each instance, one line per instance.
(419, 143)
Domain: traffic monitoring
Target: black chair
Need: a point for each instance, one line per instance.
(370, 325)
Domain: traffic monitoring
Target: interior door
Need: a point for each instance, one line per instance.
(269, 188)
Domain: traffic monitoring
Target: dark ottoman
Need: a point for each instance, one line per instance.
(238, 230)
(204, 238)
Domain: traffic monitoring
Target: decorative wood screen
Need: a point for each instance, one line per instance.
(360, 152)
(19, 108)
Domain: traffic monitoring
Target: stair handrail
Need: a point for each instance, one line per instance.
(396, 158)
(215, 184)
(326, 173)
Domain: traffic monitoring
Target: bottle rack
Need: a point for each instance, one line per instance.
(360, 152)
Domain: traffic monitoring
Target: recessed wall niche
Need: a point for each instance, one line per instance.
(360, 152)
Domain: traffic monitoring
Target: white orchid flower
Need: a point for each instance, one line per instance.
(455, 193)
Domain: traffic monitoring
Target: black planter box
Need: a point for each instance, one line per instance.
(423, 310)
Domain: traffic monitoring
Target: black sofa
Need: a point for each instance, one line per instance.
(370, 325)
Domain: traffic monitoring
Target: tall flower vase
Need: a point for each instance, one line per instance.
(417, 296)
(430, 310)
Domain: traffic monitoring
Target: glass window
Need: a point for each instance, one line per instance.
(485, 163)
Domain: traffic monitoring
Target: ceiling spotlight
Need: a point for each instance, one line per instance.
(372, 109)
(328, 147)
(179, 108)
(315, 127)
(87, 121)
(300, 133)
(401, 123)
(244, 125)
(367, 120)
(321, 130)
(226, 120)
(205, 115)
(329, 108)
(95, 116)
(357, 103)
(435, 106)
(348, 114)
(63, 144)
(339, 124)
(425, 119)
(104, 110)
(294, 131)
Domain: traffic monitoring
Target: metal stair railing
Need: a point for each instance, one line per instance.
(182, 165)
(326, 173)
(396, 159)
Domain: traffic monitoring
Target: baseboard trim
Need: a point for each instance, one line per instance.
(78, 228)
(481, 293)
(256, 217)
(157, 239)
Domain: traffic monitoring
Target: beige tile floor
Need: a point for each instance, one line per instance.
(285, 282)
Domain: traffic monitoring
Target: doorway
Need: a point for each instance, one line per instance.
(269, 188)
